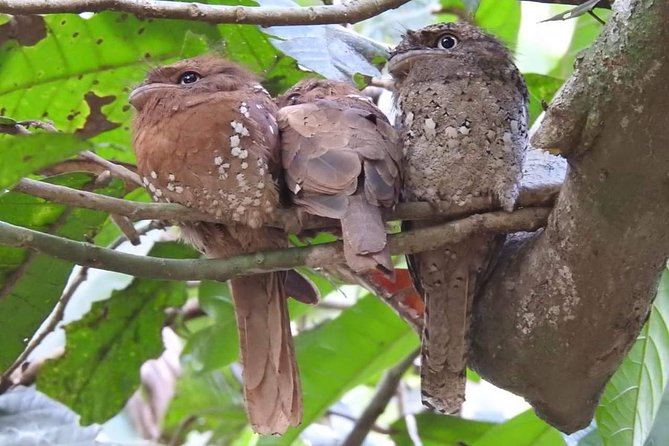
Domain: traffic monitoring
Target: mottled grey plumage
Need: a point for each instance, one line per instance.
(462, 108)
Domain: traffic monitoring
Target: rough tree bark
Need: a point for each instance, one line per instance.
(565, 304)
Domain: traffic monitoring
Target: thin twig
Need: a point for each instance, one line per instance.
(350, 12)
(540, 196)
(602, 4)
(384, 393)
(116, 169)
(126, 227)
(316, 256)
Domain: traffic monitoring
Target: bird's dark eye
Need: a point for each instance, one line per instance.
(189, 77)
(447, 41)
(292, 98)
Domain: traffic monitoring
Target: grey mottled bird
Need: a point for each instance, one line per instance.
(462, 109)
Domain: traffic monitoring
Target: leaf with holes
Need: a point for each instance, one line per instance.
(100, 368)
(77, 72)
(633, 396)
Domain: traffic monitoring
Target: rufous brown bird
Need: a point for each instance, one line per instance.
(463, 113)
(341, 160)
(206, 136)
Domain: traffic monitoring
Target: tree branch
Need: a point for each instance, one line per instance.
(535, 195)
(350, 12)
(602, 4)
(593, 272)
(384, 393)
(316, 256)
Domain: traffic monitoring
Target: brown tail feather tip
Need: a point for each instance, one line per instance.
(271, 380)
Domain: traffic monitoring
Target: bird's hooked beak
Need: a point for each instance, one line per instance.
(400, 63)
(140, 95)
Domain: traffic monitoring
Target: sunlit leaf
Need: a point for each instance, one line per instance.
(22, 155)
(440, 430)
(82, 69)
(501, 18)
(633, 396)
(525, 429)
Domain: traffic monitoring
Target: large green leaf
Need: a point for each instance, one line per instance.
(633, 396)
(31, 283)
(79, 73)
(344, 352)
(22, 155)
(100, 367)
(525, 429)
(440, 430)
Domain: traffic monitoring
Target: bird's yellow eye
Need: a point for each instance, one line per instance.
(447, 41)
(189, 77)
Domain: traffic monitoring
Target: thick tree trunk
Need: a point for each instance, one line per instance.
(564, 305)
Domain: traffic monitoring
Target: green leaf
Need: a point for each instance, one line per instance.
(22, 155)
(216, 345)
(343, 353)
(100, 367)
(525, 429)
(632, 397)
(250, 46)
(440, 430)
(79, 73)
(31, 283)
(501, 18)
(211, 401)
(659, 434)
(541, 88)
